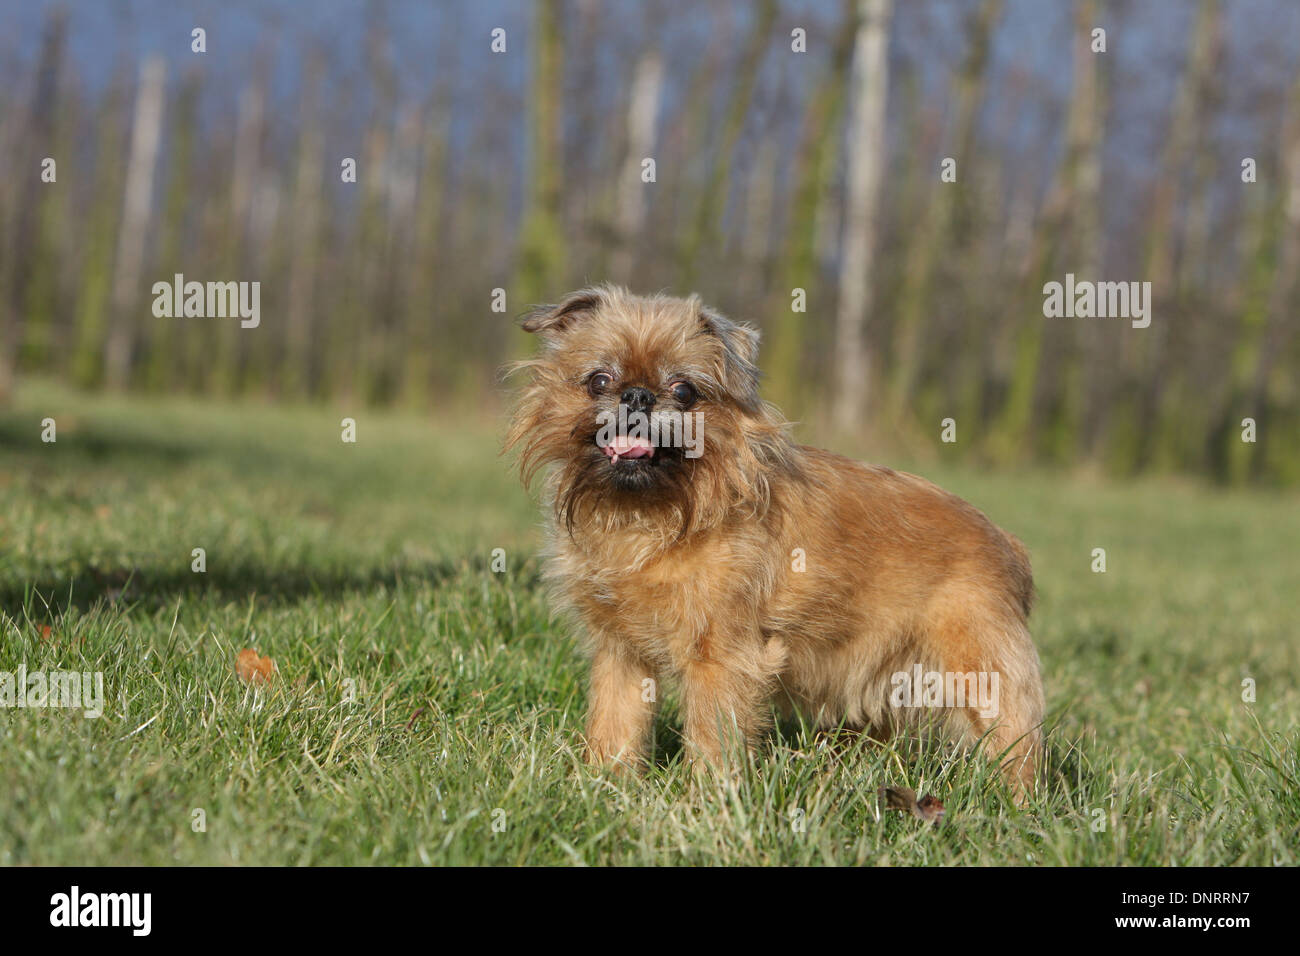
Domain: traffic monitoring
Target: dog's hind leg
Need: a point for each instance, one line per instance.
(996, 660)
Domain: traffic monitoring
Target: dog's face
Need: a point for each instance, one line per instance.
(649, 405)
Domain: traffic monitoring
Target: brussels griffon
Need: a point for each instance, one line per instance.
(696, 541)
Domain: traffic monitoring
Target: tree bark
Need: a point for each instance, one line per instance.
(146, 132)
(643, 111)
(866, 166)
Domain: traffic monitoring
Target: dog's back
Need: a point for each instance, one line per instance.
(937, 588)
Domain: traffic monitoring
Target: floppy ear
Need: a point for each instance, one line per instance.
(739, 355)
(562, 315)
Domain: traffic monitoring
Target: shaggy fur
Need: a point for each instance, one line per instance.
(762, 570)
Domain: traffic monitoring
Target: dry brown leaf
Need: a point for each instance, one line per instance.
(898, 798)
(253, 669)
(928, 808)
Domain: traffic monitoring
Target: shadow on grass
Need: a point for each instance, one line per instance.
(1066, 771)
(152, 588)
(785, 733)
(120, 443)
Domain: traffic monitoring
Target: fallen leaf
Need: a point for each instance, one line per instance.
(928, 809)
(898, 798)
(253, 669)
(45, 632)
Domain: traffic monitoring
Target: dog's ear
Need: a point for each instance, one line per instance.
(739, 355)
(563, 314)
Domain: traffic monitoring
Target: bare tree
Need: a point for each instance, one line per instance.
(1033, 389)
(541, 245)
(1188, 112)
(1280, 322)
(866, 166)
(713, 198)
(22, 138)
(146, 131)
(810, 198)
(934, 236)
(643, 110)
(304, 241)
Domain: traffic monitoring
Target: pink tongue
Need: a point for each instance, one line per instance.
(624, 446)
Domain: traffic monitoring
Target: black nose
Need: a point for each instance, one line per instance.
(638, 399)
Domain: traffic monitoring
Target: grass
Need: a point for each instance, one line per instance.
(364, 571)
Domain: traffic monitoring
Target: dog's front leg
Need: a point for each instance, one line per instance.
(621, 708)
(725, 701)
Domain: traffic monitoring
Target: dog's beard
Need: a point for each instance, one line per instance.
(600, 490)
(730, 473)
(734, 461)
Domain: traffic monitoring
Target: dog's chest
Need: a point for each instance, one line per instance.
(664, 602)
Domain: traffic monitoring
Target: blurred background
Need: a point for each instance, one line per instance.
(796, 145)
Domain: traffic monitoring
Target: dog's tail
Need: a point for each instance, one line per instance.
(1022, 573)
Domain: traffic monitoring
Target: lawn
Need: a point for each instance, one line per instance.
(427, 710)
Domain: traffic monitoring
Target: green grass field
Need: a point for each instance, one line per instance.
(364, 571)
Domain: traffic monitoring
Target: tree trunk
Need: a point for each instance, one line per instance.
(541, 253)
(814, 166)
(18, 253)
(713, 203)
(298, 376)
(1281, 320)
(866, 166)
(928, 244)
(146, 132)
(643, 111)
(1187, 113)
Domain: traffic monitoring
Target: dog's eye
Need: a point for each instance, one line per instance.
(598, 382)
(684, 392)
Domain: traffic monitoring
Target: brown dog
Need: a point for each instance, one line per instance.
(696, 541)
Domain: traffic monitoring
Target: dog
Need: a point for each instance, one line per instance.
(754, 570)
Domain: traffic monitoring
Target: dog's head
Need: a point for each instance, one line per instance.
(649, 407)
